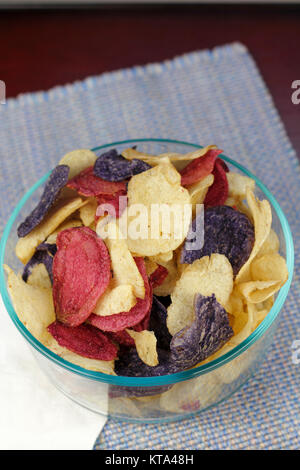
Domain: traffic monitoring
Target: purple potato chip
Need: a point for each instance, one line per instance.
(44, 254)
(111, 166)
(130, 365)
(158, 324)
(226, 231)
(56, 181)
(209, 332)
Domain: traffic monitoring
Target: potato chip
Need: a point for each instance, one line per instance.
(87, 212)
(39, 277)
(81, 274)
(33, 305)
(131, 153)
(262, 216)
(136, 315)
(106, 367)
(151, 266)
(208, 332)
(78, 160)
(124, 268)
(158, 324)
(269, 273)
(69, 223)
(54, 184)
(235, 302)
(271, 244)
(200, 168)
(237, 185)
(206, 276)
(218, 192)
(158, 276)
(85, 340)
(199, 190)
(111, 166)
(165, 228)
(88, 184)
(116, 299)
(162, 257)
(167, 287)
(26, 246)
(258, 291)
(145, 343)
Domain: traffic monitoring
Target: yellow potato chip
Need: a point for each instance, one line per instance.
(70, 223)
(125, 270)
(270, 266)
(145, 343)
(78, 160)
(26, 246)
(262, 216)
(162, 257)
(131, 153)
(198, 190)
(206, 276)
(238, 184)
(235, 302)
(87, 212)
(258, 291)
(239, 321)
(106, 367)
(158, 213)
(167, 287)
(33, 305)
(116, 299)
(151, 266)
(39, 277)
(271, 244)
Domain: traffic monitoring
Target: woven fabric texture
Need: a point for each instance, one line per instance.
(203, 97)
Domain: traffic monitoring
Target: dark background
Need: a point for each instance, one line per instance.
(43, 48)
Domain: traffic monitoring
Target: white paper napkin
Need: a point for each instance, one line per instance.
(33, 413)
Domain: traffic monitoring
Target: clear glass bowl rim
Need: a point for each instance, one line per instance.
(165, 379)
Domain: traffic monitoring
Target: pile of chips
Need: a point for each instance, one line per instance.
(145, 306)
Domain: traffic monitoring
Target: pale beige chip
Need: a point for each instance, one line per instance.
(39, 277)
(268, 274)
(70, 223)
(87, 212)
(167, 287)
(206, 276)
(116, 299)
(33, 305)
(271, 244)
(106, 367)
(158, 213)
(258, 291)
(235, 302)
(78, 160)
(131, 153)
(151, 266)
(199, 190)
(125, 270)
(238, 184)
(145, 343)
(162, 257)
(26, 246)
(262, 216)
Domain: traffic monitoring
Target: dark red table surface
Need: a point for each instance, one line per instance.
(43, 48)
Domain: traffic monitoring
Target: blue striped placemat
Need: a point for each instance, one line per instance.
(203, 97)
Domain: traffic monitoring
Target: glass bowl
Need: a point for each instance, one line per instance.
(169, 397)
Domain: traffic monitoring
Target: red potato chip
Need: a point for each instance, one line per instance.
(81, 273)
(136, 314)
(198, 169)
(122, 338)
(158, 276)
(113, 200)
(88, 184)
(218, 192)
(85, 340)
